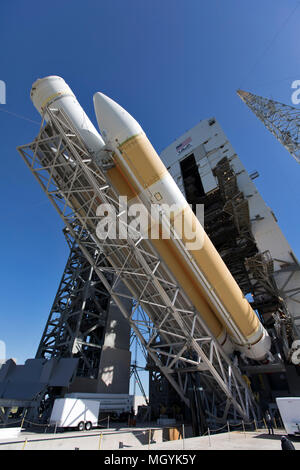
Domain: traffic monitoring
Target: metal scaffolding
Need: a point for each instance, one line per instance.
(177, 340)
(282, 120)
(77, 320)
(227, 223)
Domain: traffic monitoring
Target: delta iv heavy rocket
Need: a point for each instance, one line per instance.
(140, 175)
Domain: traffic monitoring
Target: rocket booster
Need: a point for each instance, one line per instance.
(54, 92)
(140, 175)
(152, 184)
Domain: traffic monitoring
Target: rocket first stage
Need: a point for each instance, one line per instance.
(152, 183)
(140, 175)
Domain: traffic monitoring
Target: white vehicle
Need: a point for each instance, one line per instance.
(75, 413)
(289, 409)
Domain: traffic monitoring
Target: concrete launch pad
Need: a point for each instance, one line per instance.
(138, 439)
(237, 440)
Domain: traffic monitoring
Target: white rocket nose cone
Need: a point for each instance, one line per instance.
(115, 124)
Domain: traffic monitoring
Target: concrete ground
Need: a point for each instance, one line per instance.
(236, 440)
(119, 437)
(138, 439)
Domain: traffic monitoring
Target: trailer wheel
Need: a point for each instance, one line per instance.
(81, 426)
(88, 426)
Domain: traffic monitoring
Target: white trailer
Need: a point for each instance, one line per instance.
(75, 413)
(289, 409)
(109, 403)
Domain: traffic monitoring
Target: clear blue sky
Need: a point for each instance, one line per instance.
(170, 63)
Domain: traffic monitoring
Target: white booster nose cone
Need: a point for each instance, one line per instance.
(115, 124)
(53, 90)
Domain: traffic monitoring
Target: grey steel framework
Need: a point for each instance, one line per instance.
(77, 320)
(264, 279)
(178, 341)
(281, 119)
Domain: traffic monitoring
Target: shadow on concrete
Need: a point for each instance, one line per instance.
(122, 445)
(143, 436)
(276, 437)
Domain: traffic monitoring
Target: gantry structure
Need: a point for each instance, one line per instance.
(171, 331)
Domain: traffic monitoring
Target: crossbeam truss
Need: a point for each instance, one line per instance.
(77, 320)
(171, 331)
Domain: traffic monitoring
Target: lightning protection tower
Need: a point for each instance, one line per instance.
(282, 120)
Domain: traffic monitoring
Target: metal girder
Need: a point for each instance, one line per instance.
(76, 186)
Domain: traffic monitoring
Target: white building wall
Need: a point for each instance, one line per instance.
(209, 145)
